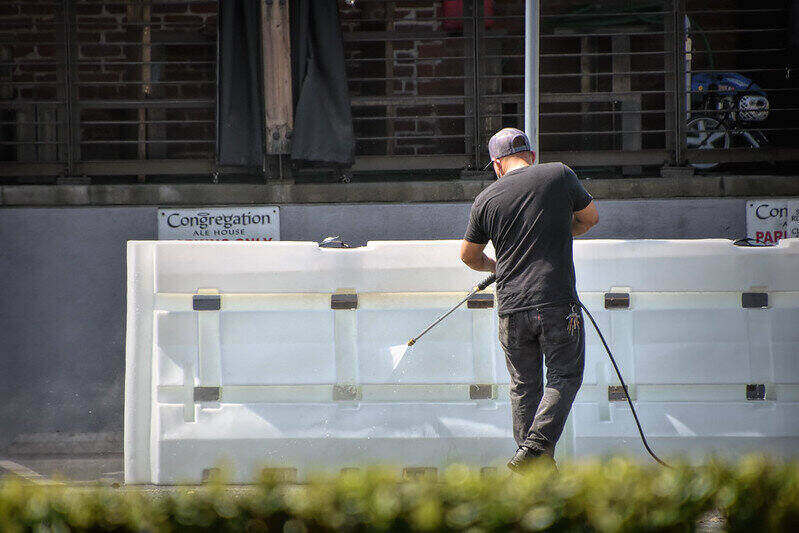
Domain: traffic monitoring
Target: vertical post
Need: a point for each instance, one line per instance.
(69, 78)
(141, 13)
(276, 51)
(217, 76)
(630, 104)
(479, 25)
(391, 110)
(679, 83)
(469, 30)
(531, 93)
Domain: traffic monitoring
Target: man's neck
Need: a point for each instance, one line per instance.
(514, 165)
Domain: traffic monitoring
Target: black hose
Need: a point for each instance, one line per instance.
(626, 393)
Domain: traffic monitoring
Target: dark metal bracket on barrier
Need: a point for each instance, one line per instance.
(617, 300)
(482, 300)
(206, 302)
(754, 300)
(347, 392)
(482, 392)
(344, 301)
(207, 394)
(756, 391)
(616, 394)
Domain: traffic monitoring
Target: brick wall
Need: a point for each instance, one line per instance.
(437, 60)
(413, 67)
(108, 45)
(112, 38)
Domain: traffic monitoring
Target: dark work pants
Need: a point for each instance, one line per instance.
(531, 338)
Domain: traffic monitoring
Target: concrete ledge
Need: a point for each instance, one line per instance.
(393, 192)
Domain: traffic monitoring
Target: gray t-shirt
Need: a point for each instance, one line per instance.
(527, 214)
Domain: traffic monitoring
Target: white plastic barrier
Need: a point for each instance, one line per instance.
(277, 354)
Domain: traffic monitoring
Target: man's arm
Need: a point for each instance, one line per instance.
(584, 219)
(472, 254)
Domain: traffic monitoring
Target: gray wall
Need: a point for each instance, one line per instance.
(62, 313)
(619, 219)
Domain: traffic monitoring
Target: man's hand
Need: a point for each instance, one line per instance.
(472, 254)
(584, 219)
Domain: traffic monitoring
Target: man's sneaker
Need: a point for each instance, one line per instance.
(523, 458)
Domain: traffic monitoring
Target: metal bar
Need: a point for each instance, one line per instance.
(135, 104)
(742, 155)
(24, 169)
(531, 93)
(479, 34)
(593, 158)
(161, 141)
(681, 106)
(69, 56)
(416, 162)
(395, 36)
(122, 167)
(504, 76)
(126, 122)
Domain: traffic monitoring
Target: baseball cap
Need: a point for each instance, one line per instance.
(507, 141)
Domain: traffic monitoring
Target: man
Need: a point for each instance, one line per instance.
(530, 214)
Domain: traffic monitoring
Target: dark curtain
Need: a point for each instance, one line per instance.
(322, 114)
(241, 114)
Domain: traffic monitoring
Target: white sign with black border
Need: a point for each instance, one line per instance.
(260, 223)
(769, 220)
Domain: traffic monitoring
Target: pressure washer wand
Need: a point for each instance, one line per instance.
(479, 287)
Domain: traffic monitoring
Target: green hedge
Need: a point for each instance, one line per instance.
(613, 495)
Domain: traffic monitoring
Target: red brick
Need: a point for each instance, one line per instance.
(440, 87)
(24, 78)
(413, 5)
(403, 45)
(16, 23)
(450, 67)
(48, 10)
(45, 77)
(432, 49)
(425, 70)
(100, 50)
(184, 19)
(36, 37)
(98, 23)
(403, 71)
(170, 7)
(18, 52)
(404, 126)
(47, 50)
(127, 36)
(87, 37)
(204, 7)
(416, 26)
(89, 77)
(88, 9)
(425, 127)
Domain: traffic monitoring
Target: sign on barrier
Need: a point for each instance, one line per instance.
(768, 221)
(219, 224)
(277, 355)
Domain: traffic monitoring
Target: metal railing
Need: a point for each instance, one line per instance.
(108, 87)
(618, 85)
(128, 88)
